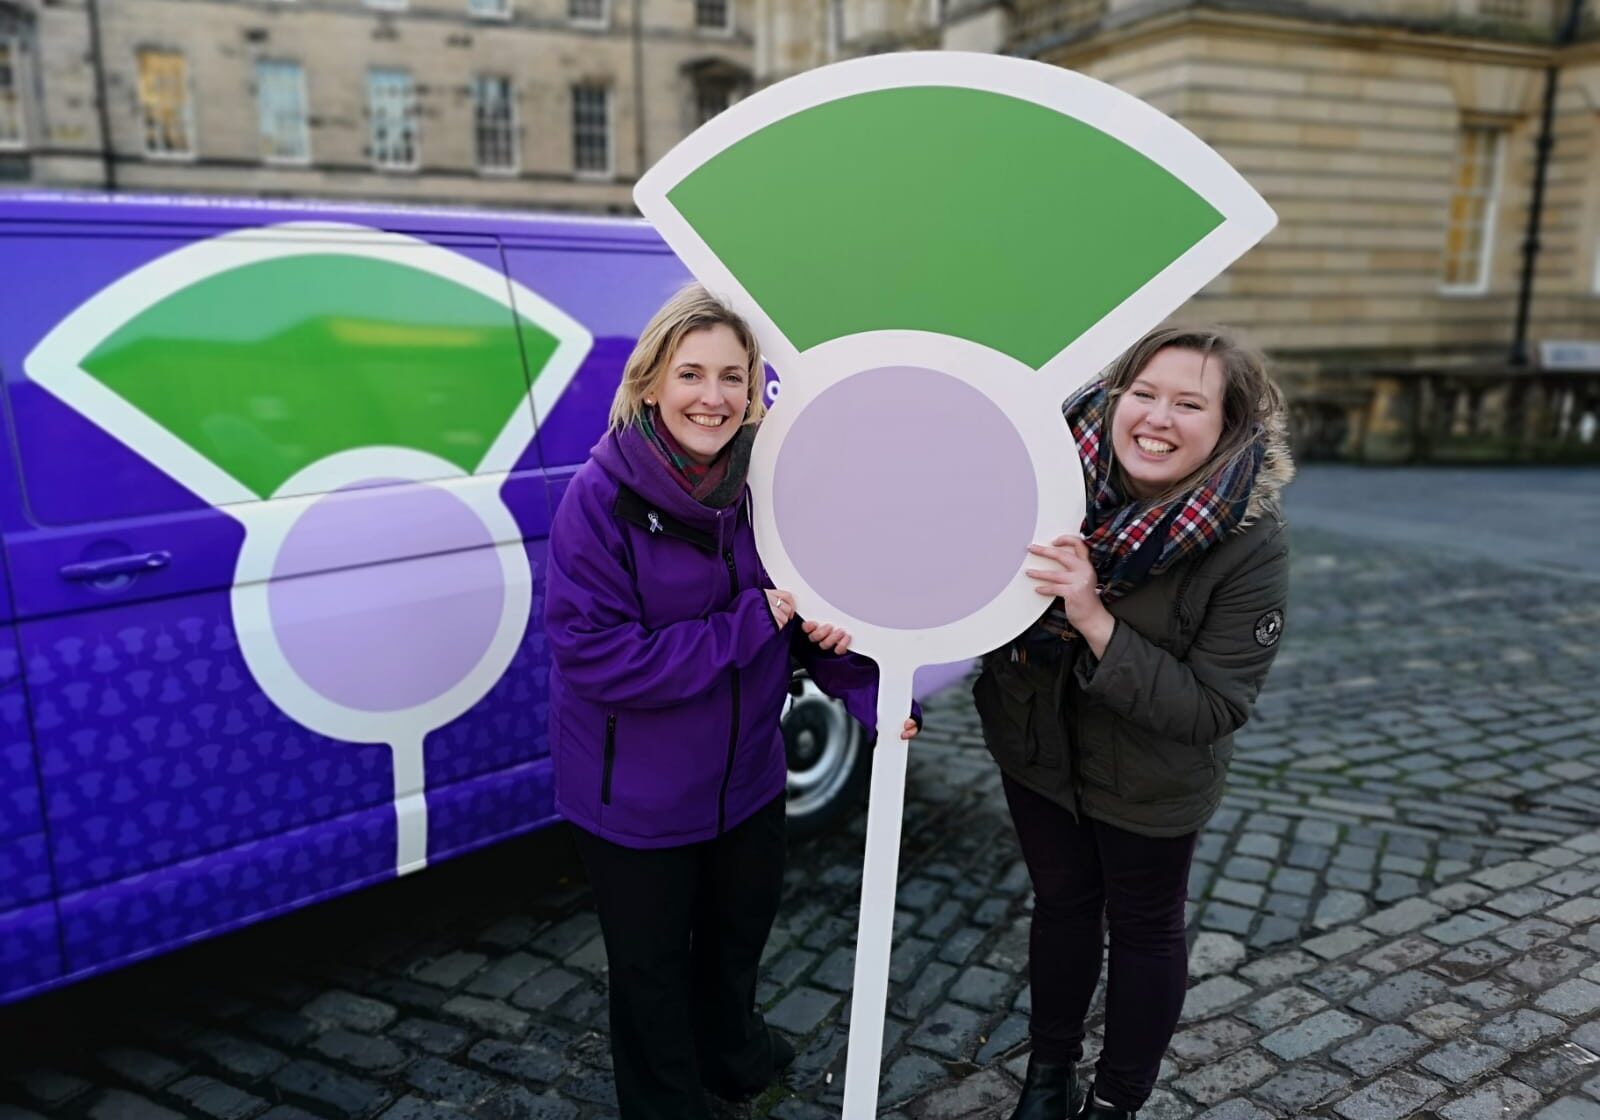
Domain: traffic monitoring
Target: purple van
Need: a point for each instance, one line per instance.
(275, 496)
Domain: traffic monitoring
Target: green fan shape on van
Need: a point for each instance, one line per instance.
(935, 208)
(271, 366)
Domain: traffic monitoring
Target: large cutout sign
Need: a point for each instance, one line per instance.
(935, 249)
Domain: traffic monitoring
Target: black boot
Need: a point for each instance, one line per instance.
(1096, 1111)
(782, 1058)
(1050, 1092)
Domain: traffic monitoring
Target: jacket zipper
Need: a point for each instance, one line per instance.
(610, 759)
(1183, 590)
(733, 730)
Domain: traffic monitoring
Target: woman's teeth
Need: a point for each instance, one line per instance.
(708, 421)
(1153, 446)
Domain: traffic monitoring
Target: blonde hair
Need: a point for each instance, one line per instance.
(1251, 400)
(691, 309)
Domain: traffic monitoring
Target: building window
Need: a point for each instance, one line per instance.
(391, 5)
(489, 9)
(495, 123)
(392, 105)
(713, 15)
(281, 99)
(12, 134)
(710, 98)
(1513, 10)
(591, 130)
(164, 103)
(590, 13)
(1470, 232)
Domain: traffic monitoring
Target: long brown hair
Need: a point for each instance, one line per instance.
(691, 309)
(1251, 400)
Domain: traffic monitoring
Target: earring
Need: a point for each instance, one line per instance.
(649, 402)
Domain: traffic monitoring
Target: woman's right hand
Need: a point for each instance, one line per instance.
(781, 604)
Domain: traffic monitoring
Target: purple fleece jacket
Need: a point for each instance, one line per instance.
(669, 674)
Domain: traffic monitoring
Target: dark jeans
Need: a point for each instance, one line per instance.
(1085, 871)
(684, 929)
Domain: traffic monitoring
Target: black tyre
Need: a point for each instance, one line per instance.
(829, 760)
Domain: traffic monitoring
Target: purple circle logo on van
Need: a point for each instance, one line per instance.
(359, 587)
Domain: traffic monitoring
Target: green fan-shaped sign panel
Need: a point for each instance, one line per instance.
(919, 208)
(271, 366)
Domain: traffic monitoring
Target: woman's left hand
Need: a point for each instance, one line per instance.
(827, 637)
(1077, 585)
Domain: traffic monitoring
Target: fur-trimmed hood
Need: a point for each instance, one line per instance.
(1277, 471)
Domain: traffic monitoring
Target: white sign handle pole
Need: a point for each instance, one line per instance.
(879, 873)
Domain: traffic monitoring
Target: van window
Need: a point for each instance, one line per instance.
(618, 292)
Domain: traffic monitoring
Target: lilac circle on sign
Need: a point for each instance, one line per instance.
(386, 596)
(905, 497)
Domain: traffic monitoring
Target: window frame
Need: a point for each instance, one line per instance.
(1479, 285)
(513, 144)
(700, 89)
(500, 14)
(600, 22)
(594, 174)
(186, 87)
(409, 117)
(19, 141)
(304, 159)
(724, 28)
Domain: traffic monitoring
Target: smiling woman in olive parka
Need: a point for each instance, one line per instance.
(1112, 718)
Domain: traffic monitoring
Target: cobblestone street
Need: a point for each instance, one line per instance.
(1396, 912)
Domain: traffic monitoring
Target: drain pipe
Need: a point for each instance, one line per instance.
(1542, 148)
(108, 157)
(640, 149)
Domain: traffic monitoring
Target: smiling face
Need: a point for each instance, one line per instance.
(1169, 420)
(704, 391)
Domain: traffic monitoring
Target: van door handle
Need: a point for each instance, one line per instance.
(92, 570)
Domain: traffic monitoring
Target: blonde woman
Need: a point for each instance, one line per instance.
(671, 664)
(1112, 719)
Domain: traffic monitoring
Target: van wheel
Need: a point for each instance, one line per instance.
(828, 760)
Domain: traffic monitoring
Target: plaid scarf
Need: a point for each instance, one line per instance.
(1129, 541)
(716, 484)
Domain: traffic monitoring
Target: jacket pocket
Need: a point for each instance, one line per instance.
(609, 759)
(1017, 711)
(1154, 769)
(1097, 758)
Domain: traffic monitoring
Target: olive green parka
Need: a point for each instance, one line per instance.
(1141, 737)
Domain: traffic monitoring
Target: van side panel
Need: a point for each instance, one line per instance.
(24, 857)
(30, 942)
(30, 949)
(181, 798)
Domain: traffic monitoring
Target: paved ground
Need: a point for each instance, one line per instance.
(1529, 518)
(1395, 912)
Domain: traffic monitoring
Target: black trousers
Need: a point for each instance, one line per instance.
(1085, 872)
(684, 930)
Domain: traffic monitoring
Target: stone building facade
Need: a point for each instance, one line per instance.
(1399, 142)
(527, 103)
